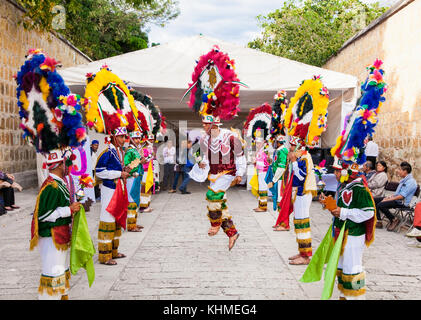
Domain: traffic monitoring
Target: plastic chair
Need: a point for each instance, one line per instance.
(406, 214)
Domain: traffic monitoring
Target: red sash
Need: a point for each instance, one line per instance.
(118, 204)
(286, 206)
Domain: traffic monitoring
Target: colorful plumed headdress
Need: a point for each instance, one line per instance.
(257, 125)
(48, 111)
(215, 89)
(151, 112)
(361, 122)
(306, 115)
(111, 106)
(279, 108)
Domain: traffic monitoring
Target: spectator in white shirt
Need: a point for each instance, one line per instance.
(371, 150)
(94, 157)
(169, 162)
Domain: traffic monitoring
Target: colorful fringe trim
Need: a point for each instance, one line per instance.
(229, 227)
(131, 216)
(145, 197)
(108, 240)
(352, 286)
(303, 233)
(218, 212)
(54, 286)
(263, 200)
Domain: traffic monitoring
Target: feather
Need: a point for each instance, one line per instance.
(258, 118)
(363, 119)
(217, 69)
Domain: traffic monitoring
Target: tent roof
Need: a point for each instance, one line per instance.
(171, 65)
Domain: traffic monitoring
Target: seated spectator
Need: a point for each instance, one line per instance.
(7, 183)
(401, 198)
(368, 169)
(2, 208)
(416, 231)
(378, 180)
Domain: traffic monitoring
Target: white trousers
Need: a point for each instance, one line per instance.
(351, 263)
(54, 263)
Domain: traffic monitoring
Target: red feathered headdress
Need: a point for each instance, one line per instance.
(215, 88)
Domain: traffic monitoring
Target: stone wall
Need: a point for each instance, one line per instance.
(17, 156)
(396, 41)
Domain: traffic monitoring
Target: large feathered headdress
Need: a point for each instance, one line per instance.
(257, 125)
(279, 108)
(149, 109)
(306, 115)
(215, 88)
(48, 111)
(362, 120)
(111, 106)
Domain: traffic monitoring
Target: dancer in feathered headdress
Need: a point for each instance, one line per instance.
(151, 113)
(354, 217)
(111, 110)
(257, 128)
(279, 108)
(305, 121)
(278, 139)
(215, 95)
(51, 122)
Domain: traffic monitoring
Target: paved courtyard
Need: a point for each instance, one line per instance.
(174, 258)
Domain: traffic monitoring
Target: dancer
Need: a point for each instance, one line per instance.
(305, 120)
(262, 166)
(51, 222)
(277, 168)
(52, 125)
(135, 161)
(215, 96)
(257, 128)
(146, 186)
(111, 111)
(109, 169)
(223, 154)
(354, 209)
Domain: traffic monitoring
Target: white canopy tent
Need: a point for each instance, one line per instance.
(164, 72)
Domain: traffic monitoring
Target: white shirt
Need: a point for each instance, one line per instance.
(169, 154)
(372, 149)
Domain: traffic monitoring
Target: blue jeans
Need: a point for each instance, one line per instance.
(186, 178)
(177, 175)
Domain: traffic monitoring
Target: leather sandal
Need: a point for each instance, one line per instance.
(294, 257)
(110, 262)
(280, 228)
(300, 261)
(119, 256)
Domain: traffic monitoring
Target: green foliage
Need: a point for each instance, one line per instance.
(99, 28)
(311, 31)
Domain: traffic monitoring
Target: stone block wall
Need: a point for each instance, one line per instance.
(393, 41)
(17, 156)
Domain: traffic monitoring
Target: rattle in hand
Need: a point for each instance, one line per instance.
(328, 203)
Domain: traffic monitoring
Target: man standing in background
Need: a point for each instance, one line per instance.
(94, 156)
(372, 151)
(169, 162)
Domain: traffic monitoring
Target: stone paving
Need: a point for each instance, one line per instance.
(174, 258)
